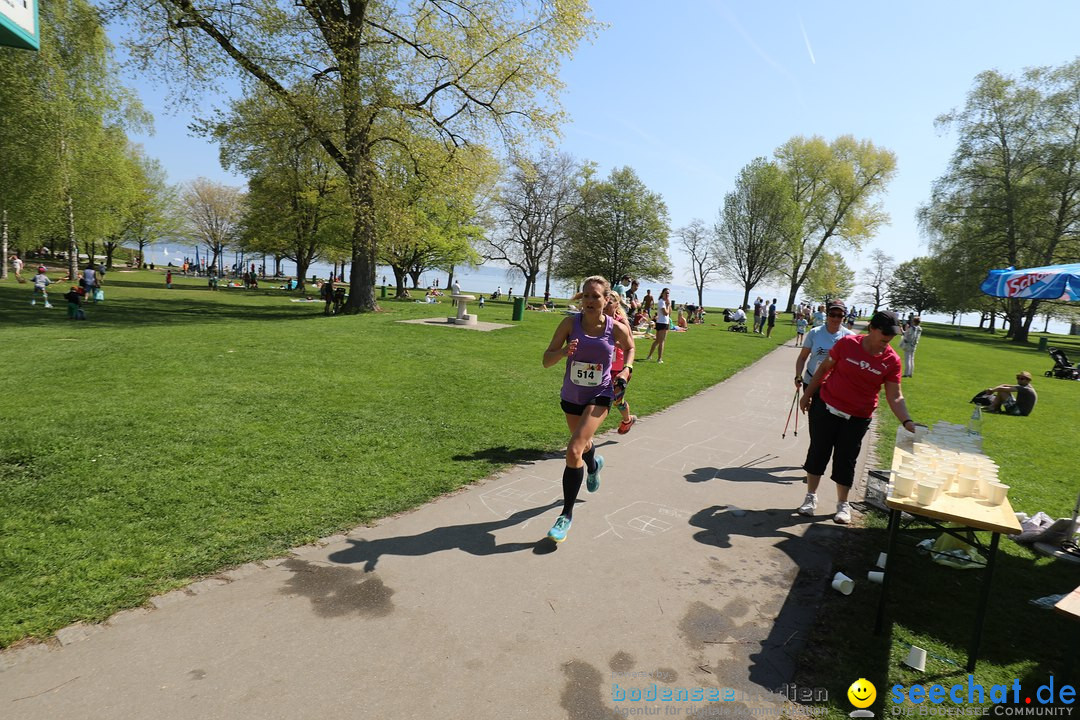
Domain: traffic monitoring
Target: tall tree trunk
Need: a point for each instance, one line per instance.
(73, 249)
(3, 244)
(547, 275)
(450, 278)
(399, 280)
(302, 265)
(142, 254)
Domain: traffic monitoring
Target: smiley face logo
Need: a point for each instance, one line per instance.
(862, 693)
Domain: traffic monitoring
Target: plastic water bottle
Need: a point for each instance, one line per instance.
(974, 426)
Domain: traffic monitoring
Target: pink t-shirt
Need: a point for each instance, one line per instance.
(857, 377)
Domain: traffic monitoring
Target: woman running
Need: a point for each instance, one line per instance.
(587, 340)
(663, 324)
(614, 308)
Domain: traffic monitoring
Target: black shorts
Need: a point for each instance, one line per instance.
(663, 326)
(574, 409)
(836, 436)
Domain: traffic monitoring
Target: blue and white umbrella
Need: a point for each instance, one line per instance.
(1052, 282)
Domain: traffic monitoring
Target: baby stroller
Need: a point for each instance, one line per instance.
(736, 325)
(1063, 369)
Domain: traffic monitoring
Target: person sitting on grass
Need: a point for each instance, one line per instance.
(1004, 402)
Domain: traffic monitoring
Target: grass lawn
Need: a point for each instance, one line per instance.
(932, 606)
(178, 432)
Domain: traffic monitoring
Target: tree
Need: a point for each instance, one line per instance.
(876, 277)
(830, 278)
(214, 212)
(758, 221)
(68, 102)
(621, 228)
(429, 208)
(297, 205)
(911, 289)
(360, 75)
(835, 186)
(534, 206)
(154, 211)
(700, 245)
(1011, 193)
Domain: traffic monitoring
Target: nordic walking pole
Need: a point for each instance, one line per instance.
(789, 415)
(796, 418)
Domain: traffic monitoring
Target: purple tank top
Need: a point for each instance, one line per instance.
(588, 370)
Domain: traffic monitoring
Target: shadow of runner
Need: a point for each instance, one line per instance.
(473, 538)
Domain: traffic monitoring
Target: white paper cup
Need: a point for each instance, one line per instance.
(903, 486)
(842, 583)
(998, 491)
(926, 491)
(876, 576)
(882, 558)
(916, 658)
(921, 431)
(966, 484)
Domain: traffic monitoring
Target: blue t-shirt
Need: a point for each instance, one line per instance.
(820, 341)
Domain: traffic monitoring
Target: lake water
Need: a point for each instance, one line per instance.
(486, 278)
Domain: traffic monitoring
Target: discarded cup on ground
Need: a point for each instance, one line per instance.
(916, 658)
(926, 491)
(876, 576)
(882, 558)
(998, 491)
(842, 583)
(903, 485)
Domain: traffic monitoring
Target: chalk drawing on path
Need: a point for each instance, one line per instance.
(643, 520)
(521, 494)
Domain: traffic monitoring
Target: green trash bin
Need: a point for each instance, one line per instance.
(383, 292)
(1042, 343)
(519, 308)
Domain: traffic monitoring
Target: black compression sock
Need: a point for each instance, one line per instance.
(571, 485)
(590, 459)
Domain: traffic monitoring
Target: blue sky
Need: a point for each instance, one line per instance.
(690, 91)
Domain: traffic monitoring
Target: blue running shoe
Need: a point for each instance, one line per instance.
(592, 483)
(559, 529)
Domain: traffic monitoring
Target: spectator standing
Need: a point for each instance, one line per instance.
(457, 287)
(771, 318)
(90, 281)
(647, 303)
(168, 279)
(758, 314)
(909, 343)
(819, 316)
(663, 324)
